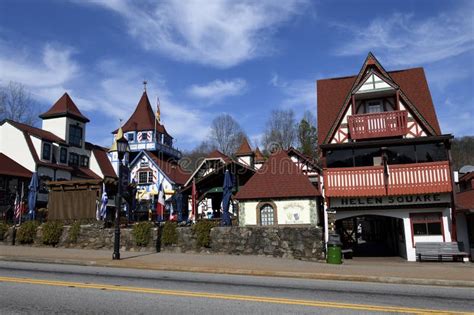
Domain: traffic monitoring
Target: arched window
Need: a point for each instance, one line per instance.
(267, 215)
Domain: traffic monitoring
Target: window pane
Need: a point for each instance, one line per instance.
(401, 154)
(339, 158)
(150, 177)
(365, 157)
(63, 155)
(420, 229)
(75, 135)
(434, 228)
(430, 152)
(266, 215)
(46, 151)
(143, 177)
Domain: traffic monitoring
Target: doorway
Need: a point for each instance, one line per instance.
(372, 235)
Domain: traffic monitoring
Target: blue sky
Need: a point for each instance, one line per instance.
(245, 58)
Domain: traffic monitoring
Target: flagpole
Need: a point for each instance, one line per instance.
(21, 201)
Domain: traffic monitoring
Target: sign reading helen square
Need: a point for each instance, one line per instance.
(390, 200)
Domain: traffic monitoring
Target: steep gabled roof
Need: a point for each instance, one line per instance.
(333, 94)
(102, 158)
(171, 169)
(37, 132)
(9, 167)
(279, 177)
(259, 158)
(143, 118)
(218, 154)
(64, 107)
(244, 148)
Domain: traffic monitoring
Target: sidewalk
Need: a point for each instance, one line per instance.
(385, 270)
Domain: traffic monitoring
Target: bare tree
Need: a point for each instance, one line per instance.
(226, 134)
(308, 135)
(16, 104)
(192, 159)
(280, 130)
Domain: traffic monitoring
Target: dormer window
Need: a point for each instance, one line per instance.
(75, 135)
(46, 155)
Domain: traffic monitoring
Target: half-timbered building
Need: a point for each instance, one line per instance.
(387, 171)
(153, 159)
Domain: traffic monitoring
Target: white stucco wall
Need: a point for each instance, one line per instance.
(57, 126)
(404, 214)
(289, 212)
(246, 159)
(13, 144)
(94, 165)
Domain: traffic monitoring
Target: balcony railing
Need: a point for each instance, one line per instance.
(378, 125)
(403, 179)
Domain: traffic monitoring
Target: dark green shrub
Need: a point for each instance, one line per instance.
(27, 232)
(202, 230)
(74, 232)
(52, 232)
(3, 230)
(169, 235)
(141, 233)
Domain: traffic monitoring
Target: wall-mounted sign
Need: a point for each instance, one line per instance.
(390, 200)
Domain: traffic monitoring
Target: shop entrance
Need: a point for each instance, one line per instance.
(372, 235)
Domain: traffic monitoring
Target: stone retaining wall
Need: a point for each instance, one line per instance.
(303, 243)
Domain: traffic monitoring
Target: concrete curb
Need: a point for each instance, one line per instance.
(247, 272)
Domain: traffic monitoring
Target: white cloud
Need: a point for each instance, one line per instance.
(217, 90)
(405, 39)
(456, 116)
(220, 33)
(45, 74)
(299, 95)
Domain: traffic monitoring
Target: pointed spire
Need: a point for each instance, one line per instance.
(64, 106)
(117, 136)
(259, 156)
(244, 148)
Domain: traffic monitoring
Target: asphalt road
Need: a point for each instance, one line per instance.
(27, 288)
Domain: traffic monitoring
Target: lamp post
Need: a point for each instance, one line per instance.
(121, 146)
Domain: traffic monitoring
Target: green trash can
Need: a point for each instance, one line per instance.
(334, 254)
(334, 249)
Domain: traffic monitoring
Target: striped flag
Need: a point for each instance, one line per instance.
(160, 206)
(103, 204)
(158, 111)
(17, 206)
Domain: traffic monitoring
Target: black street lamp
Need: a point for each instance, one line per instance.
(121, 146)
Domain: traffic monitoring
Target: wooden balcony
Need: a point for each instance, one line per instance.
(403, 179)
(378, 125)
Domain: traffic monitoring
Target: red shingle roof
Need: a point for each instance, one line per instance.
(259, 156)
(278, 177)
(218, 154)
(64, 107)
(100, 154)
(84, 172)
(172, 169)
(244, 148)
(331, 94)
(37, 132)
(465, 200)
(143, 118)
(9, 167)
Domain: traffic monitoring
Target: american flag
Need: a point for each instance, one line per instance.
(17, 206)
